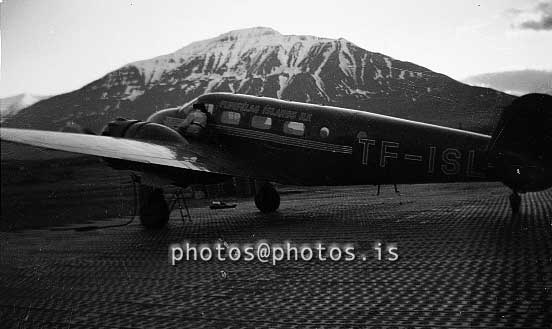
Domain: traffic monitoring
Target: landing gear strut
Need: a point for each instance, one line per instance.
(154, 211)
(515, 202)
(267, 198)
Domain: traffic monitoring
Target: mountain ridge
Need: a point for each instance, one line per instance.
(517, 82)
(261, 61)
(9, 106)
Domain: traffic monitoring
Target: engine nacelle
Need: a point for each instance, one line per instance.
(143, 130)
(154, 130)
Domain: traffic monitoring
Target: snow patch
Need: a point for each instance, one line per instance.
(133, 94)
(316, 74)
(365, 93)
(215, 81)
(347, 63)
(232, 50)
(377, 74)
(389, 66)
(283, 82)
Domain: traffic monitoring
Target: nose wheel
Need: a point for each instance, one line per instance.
(267, 198)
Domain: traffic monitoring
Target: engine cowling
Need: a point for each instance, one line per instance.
(168, 126)
(136, 129)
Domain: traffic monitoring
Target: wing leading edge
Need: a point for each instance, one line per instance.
(189, 157)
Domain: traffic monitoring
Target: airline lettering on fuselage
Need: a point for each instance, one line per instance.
(385, 153)
(240, 107)
(451, 165)
(431, 163)
(366, 148)
(470, 171)
(450, 159)
(266, 110)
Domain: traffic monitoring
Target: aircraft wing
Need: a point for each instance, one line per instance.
(190, 156)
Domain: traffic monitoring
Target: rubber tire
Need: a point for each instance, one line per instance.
(154, 211)
(267, 199)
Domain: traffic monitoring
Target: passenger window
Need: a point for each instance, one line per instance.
(294, 128)
(324, 132)
(232, 118)
(261, 122)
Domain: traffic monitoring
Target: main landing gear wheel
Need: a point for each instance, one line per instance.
(154, 211)
(515, 202)
(267, 199)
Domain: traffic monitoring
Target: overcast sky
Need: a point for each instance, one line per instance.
(54, 46)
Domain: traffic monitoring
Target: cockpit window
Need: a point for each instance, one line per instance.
(204, 107)
(294, 128)
(185, 109)
(261, 122)
(228, 117)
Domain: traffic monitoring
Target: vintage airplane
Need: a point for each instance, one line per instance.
(220, 135)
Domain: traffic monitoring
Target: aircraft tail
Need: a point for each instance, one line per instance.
(521, 145)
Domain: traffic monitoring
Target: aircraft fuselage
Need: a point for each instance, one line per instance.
(307, 144)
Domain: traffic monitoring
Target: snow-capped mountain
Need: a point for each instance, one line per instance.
(9, 106)
(261, 61)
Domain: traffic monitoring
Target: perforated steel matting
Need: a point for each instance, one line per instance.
(463, 262)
